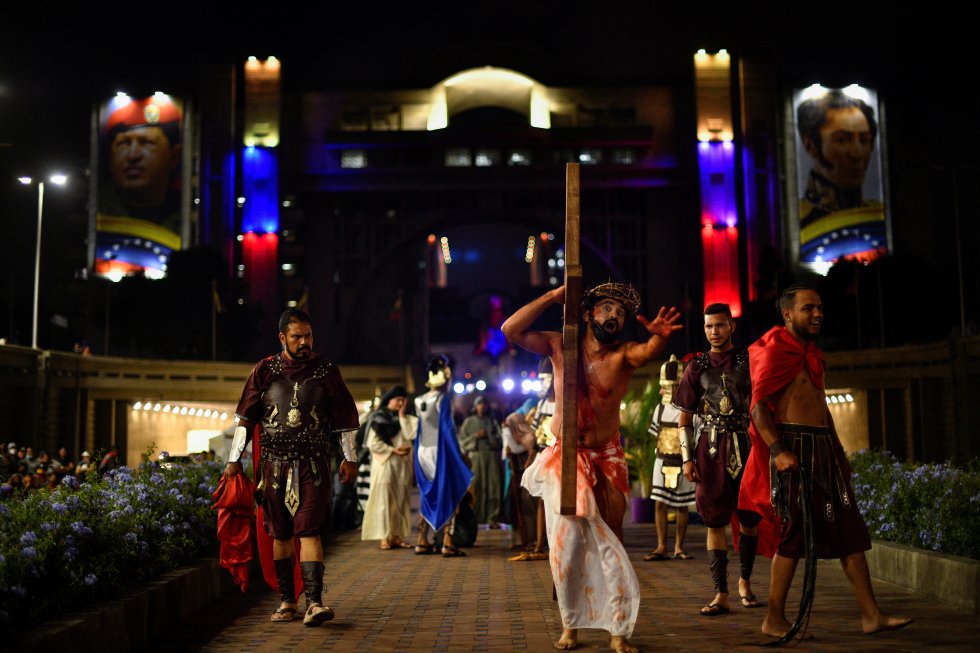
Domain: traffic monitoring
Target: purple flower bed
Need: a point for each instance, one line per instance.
(927, 506)
(81, 542)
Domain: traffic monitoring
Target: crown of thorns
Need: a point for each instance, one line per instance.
(623, 293)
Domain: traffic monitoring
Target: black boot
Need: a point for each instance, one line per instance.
(287, 589)
(718, 563)
(746, 554)
(746, 560)
(313, 588)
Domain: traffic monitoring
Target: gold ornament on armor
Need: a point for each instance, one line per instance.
(669, 441)
(725, 406)
(292, 417)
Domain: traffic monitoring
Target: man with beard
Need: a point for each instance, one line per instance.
(297, 399)
(389, 438)
(715, 389)
(793, 429)
(595, 583)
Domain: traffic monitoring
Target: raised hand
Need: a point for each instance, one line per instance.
(664, 324)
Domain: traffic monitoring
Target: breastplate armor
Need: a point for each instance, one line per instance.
(725, 392)
(428, 409)
(291, 426)
(669, 440)
(539, 423)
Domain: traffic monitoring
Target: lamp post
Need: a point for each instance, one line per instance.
(59, 180)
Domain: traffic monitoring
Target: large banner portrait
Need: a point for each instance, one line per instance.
(839, 175)
(138, 218)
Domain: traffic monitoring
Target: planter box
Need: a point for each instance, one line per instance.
(129, 623)
(950, 579)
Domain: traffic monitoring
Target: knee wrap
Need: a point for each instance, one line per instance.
(746, 554)
(284, 576)
(312, 582)
(718, 563)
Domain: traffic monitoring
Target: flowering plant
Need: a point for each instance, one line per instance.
(640, 444)
(927, 506)
(80, 542)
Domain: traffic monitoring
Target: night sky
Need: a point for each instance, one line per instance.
(54, 66)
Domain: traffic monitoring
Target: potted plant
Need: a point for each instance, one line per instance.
(640, 446)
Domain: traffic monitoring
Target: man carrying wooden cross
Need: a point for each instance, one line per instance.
(594, 579)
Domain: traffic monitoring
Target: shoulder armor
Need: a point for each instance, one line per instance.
(703, 360)
(742, 358)
(324, 368)
(275, 365)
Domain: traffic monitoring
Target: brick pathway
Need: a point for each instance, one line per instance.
(396, 601)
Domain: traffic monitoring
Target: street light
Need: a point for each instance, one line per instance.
(58, 180)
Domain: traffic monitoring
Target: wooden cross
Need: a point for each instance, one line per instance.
(569, 343)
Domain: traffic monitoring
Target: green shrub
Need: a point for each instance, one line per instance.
(927, 506)
(64, 548)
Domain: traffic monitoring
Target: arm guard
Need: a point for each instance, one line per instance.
(348, 444)
(687, 443)
(238, 444)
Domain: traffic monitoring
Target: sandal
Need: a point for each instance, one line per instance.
(424, 549)
(452, 552)
(403, 545)
(316, 618)
(537, 555)
(714, 609)
(749, 600)
(385, 546)
(284, 614)
(655, 556)
(520, 557)
(682, 555)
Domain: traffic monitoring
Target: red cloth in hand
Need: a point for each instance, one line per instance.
(775, 360)
(233, 501)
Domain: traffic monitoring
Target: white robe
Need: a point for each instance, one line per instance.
(388, 508)
(594, 578)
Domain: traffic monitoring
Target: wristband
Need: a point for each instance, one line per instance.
(687, 443)
(348, 443)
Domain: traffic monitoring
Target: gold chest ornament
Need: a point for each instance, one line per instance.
(293, 416)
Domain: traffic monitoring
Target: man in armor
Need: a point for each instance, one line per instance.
(295, 401)
(669, 487)
(713, 397)
(532, 433)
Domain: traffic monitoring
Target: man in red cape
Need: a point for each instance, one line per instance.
(792, 426)
(295, 400)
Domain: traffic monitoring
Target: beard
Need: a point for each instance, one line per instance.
(606, 336)
(300, 353)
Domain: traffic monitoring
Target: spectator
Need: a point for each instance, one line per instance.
(480, 439)
(84, 465)
(64, 461)
(110, 461)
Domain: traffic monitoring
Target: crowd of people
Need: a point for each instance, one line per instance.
(24, 469)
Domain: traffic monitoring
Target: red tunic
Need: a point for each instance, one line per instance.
(774, 361)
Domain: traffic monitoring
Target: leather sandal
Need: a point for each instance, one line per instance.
(284, 614)
(316, 618)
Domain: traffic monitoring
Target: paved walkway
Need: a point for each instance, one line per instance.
(396, 601)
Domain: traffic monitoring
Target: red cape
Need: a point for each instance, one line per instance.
(774, 360)
(233, 501)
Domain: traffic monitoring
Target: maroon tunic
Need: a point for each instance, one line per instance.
(716, 493)
(336, 411)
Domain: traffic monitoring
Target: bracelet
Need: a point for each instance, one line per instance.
(777, 448)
